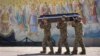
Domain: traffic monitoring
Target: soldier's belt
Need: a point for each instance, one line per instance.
(56, 17)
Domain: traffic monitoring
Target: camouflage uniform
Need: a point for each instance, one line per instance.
(63, 39)
(78, 38)
(47, 37)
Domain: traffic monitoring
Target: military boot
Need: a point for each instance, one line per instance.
(51, 52)
(74, 52)
(44, 50)
(59, 51)
(67, 51)
(83, 52)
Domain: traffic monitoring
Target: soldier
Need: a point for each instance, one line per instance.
(78, 37)
(45, 24)
(62, 25)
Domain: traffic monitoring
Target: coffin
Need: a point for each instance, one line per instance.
(55, 17)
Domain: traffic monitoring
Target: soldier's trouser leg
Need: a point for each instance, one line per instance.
(59, 46)
(50, 45)
(75, 46)
(66, 46)
(49, 42)
(44, 46)
(82, 45)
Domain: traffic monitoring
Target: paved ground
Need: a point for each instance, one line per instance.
(30, 51)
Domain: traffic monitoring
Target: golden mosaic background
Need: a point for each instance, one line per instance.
(19, 3)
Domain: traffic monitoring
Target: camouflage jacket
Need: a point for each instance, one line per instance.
(63, 29)
(46, 28)
(78, 28)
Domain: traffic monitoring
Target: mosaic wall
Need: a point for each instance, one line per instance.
(22, 15)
